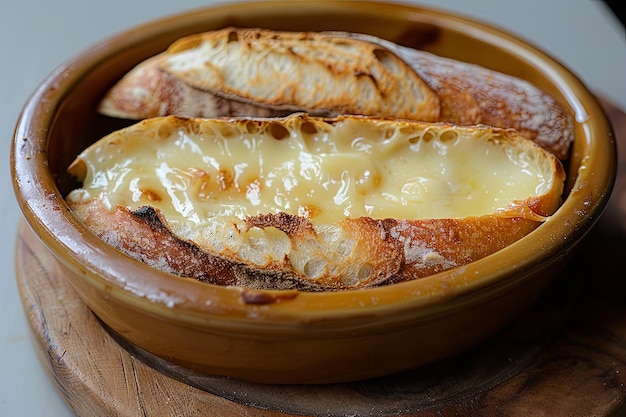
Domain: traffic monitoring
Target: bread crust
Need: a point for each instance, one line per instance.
(471, 94)
(385, 250)
(184, 81)
(261, 73)
(280, 250)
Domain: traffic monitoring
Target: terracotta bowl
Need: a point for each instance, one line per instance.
(302, 337)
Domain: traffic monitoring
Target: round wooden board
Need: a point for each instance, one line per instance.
(565, 356)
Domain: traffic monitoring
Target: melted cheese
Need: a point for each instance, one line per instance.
(197, 170)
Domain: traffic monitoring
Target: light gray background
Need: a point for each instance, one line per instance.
(37, 35)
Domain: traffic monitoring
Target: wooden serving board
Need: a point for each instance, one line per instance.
(564, 357)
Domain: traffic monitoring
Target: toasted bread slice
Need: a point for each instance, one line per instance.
(312, 203)
(254, 72)
(262, 73)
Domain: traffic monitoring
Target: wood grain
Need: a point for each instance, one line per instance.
(566, 356)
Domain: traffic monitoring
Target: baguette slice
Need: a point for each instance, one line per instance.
(316, 204)
(263, 73)
(253, 72)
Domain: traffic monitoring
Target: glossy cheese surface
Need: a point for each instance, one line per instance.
(193, 169)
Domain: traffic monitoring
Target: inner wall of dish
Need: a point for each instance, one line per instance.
(77, 124)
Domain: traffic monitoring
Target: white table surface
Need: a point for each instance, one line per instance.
(37, 35)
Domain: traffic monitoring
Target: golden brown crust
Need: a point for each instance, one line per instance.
(473, 95)
(470, 94)
(451, 242)
(449, 90)
(143, 235)
(385, 251)
(256, 72)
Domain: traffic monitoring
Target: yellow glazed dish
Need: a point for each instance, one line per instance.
(291, 336)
